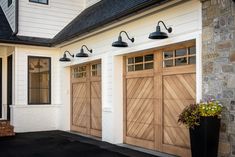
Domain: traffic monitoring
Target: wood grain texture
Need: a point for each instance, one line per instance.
(86, 107)
(153, 100)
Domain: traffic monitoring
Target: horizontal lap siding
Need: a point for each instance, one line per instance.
(21, 78)
(46, 21)
(91, 2)
(9, 12)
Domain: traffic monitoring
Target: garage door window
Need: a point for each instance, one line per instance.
(79, 72)
(96, 69)
(178, 57)
(138, 63)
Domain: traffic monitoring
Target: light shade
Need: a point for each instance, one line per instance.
(65, 58)
(158, 34)
(121, 43)
(82, 53)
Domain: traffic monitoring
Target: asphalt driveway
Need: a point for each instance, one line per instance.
(61, 144)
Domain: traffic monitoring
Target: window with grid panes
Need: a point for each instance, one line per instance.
(39, 80)
(179, 57)
(138, 63)
(79, 72)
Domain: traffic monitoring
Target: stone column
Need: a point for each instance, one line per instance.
(218, 65)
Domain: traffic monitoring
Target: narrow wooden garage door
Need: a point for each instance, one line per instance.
(86, 99)
(158, 85)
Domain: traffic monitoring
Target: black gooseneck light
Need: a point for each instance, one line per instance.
(65, 58)
(158, 34)
(121, 43)
(82, 53)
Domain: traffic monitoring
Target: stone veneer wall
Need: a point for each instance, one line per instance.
(218, 60)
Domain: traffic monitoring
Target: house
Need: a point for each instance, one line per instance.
(130, 94)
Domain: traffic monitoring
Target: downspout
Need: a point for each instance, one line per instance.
(16, 18)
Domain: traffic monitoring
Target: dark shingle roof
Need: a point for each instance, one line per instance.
(100, 14)
(96, 16)
(5, 29)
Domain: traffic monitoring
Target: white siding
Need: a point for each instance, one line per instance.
(35, 117)
(91, 2)
(9, 12)
(39, 20)
(185, 19)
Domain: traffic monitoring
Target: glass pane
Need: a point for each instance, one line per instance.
(138, 59)
(138, 67)
(44, 96)
(99, 69)
(192, 50)
(148, 65)
(192, 60)
(94, 66)
(180, 52)
(43, 1)
(131, 68)
(130, 60)
(34, 80)
(94, 73)
(168, 63)
(34, 96)
(181, 61)
(168, 54)
(44, 80)
(148, 57)
(83, 68)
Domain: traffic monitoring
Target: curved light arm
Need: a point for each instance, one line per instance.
(168, 29)
(87, 48)
(68, 53)
(131, 39)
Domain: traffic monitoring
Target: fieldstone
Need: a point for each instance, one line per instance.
(208, 68)
(232, 57)
(231, 81)
(223, 127)
(231, 118)
(224, 45)
(206, 4)
(227, 68)
(233, 149)
(231, 20)
(222, 21)
(232, 105)
(232, 137)
(224, 148)
(228, 94)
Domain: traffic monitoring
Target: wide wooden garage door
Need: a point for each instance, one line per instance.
(158, 85)
(86, 99)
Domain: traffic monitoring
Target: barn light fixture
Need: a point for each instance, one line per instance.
(158, 34)
(121, 43)
(82, 53)
(65, 58)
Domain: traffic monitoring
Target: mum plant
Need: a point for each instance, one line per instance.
(191, 114)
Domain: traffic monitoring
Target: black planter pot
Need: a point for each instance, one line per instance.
(204, 138)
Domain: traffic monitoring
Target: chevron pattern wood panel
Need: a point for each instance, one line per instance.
(96, 105)
(178, 91)
(79, 105)
(140, 113)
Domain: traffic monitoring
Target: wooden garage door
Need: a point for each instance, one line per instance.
(86, 99)
(158, 85)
